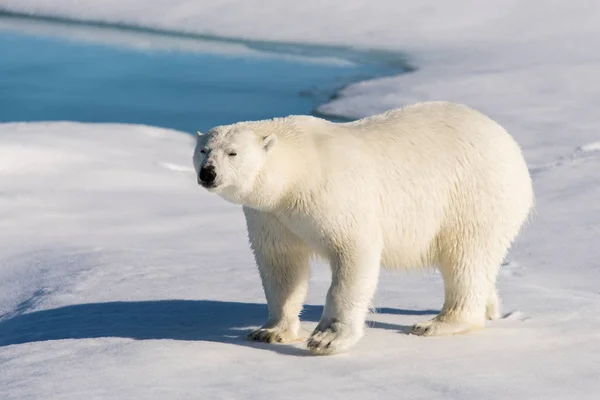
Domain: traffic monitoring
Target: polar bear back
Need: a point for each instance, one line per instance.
(443, 170)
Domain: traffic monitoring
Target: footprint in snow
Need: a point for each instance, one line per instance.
(510, 268)
(516, 316)
(589, 148)
(582, 153)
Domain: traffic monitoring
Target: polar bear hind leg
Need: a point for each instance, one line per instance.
(469, 272)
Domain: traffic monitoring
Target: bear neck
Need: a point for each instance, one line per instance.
(287, 177)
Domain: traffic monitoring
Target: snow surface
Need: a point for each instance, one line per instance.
(120, 278)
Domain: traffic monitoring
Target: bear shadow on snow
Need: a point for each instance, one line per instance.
(201, 320)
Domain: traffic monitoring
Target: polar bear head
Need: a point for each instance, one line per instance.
(229, 159)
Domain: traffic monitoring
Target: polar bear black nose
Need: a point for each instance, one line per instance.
(207, 174)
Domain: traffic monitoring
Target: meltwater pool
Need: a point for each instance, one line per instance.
(53, 71)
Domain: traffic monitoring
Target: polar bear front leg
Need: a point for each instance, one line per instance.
(354, 280)
(283, 264)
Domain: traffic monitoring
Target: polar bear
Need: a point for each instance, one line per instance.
(433, 184)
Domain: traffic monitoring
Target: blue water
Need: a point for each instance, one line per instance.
(44, 78)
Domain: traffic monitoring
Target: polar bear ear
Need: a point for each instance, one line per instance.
(269, 142)
(200, 138)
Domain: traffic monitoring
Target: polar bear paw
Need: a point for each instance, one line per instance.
(437, 327)
(272, 335)
(331, 338)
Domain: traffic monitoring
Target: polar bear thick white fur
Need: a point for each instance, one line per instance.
(432, 184)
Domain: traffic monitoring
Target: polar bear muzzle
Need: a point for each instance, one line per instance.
(207, 176)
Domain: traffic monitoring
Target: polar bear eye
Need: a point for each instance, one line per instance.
(203, 151)
(232, 154)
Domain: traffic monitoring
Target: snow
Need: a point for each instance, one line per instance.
(120, 278)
